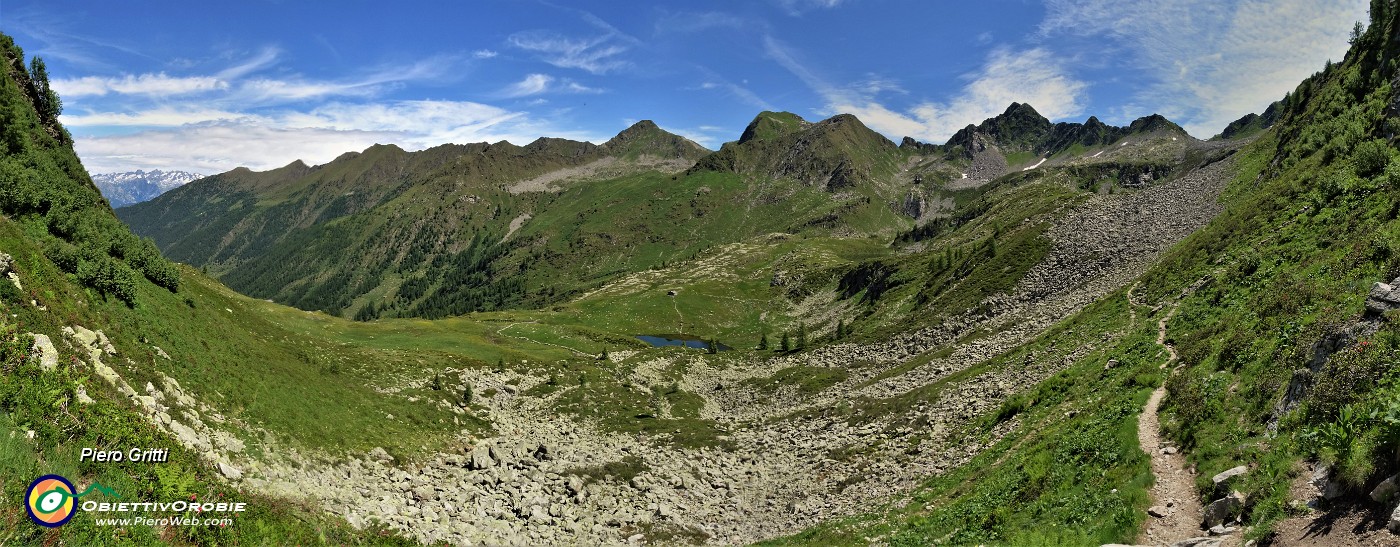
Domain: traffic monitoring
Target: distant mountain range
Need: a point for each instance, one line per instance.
(132, 187)
(461, 228)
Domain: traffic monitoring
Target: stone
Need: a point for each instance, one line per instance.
(480, 458)
(1386, 489)
(425, 493)
(1169, 450)
(1221, 530)
(380, 455)
(43, 349)
(229, 471)
(1383, 297)
(14, 278)
(1326, 487)
(1220, 478)
(1199, 542)
(1222, 509)
(83, 396)
(1394, 524)
(1157, 511)
(188, 436)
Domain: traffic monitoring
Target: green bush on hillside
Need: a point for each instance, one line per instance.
(46, 188)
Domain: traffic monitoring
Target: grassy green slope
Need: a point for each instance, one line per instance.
(1311, 222)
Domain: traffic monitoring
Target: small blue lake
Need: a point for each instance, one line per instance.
(674, 340)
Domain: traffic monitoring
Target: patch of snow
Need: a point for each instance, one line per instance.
(1042, 160)
(1124, 144)
(1097, 154)
(964, 175)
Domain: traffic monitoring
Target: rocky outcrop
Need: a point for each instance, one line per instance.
(1383, 297)
(44, 351)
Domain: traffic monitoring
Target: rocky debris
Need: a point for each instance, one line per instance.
(1386, 489)
(161, 353)
(44, 351)
(1219, 511)
(1157, 511)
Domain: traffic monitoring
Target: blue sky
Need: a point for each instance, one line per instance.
(209, 86)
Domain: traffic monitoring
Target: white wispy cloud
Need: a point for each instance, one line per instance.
(1034, 76)
(265, 58)
(246, 115)
(162, 116)
(597, 55)
(798, 7)
(1211, 62)
(535, 84)
(484, 54)
(687, 21)
(143, 84)
(221, 141)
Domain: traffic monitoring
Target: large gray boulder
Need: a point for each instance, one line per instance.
(1383, 297)
(1221, 510)
(1394, 524)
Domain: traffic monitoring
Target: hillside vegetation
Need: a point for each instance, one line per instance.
(922, 344)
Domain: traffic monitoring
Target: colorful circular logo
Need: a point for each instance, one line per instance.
(49, 501)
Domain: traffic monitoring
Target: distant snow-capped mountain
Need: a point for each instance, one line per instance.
(122, 189)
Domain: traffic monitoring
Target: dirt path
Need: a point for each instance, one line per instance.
(1176, 512)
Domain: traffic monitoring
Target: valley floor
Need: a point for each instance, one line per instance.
(788, 455)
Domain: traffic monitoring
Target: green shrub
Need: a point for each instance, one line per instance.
(1370, 158)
